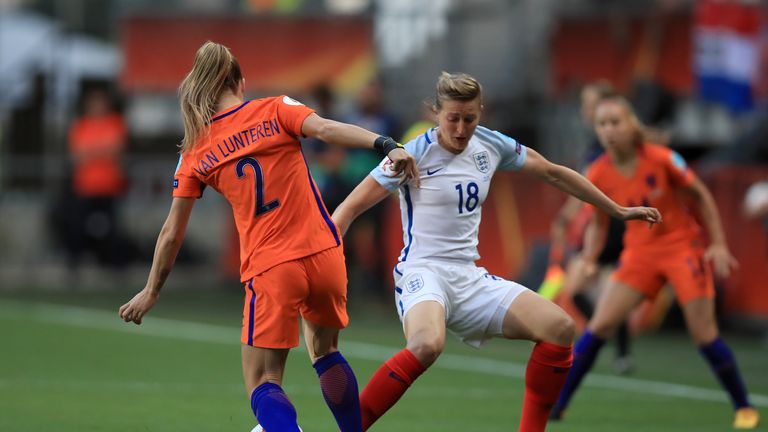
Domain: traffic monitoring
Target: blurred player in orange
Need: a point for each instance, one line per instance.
(292, 262)
(570, 222)
(568, 287)
(636, 173)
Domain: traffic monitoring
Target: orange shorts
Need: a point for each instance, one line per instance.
(314, 286)
(647, 269)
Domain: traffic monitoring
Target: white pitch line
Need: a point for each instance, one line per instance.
(199, 332)
(432, 392)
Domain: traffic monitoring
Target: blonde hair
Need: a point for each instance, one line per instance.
(457, 86)
(215, 69)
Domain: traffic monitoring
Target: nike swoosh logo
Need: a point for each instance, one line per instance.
(395, 377)
(429, 172)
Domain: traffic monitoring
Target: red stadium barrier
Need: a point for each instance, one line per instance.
(276, 54)
(745, 289)
(619, 51)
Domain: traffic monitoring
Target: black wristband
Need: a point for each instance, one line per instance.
(383, 145)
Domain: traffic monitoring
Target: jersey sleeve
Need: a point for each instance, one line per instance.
(679, 172)
(384, 175)
(512, 153)
(291, 114)
(185, 184)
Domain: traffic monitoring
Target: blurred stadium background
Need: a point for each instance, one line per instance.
(696, 69)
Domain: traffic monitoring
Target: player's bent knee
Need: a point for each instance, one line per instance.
(426, 350)
(567, 330)
(561, 331)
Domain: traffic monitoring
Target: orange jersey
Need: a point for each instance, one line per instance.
(253, 157)
(658, 177)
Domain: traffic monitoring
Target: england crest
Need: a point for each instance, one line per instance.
(482, 162)
(414, 284)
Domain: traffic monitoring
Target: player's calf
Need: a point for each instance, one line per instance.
(544, 378)
(273, 409)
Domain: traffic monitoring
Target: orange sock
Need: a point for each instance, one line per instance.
(544, 377)
(388, 385)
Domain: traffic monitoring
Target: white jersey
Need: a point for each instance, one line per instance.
(441, 219)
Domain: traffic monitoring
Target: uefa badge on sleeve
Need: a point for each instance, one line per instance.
(482, 162)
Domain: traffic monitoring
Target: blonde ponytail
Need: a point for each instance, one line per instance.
(214, 70)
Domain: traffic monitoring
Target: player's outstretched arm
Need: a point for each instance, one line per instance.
(167, 248)
(571, 182)
(351, 136)
(717, 252)
(366, 195)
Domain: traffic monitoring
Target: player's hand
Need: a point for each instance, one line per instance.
(648, 214)
(721, 259)
(579, 273)
(140, 304)
(583, 270)
(403, 163)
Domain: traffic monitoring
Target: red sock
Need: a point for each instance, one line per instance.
(388, 384)
(544, 377)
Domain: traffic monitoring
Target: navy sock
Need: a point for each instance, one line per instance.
(272, 409)
(723, 364)
(584, 354)
(339, 386)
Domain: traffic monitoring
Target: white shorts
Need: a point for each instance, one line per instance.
(475, 301)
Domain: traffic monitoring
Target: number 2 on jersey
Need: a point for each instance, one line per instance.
(261, 208)
(472, 197)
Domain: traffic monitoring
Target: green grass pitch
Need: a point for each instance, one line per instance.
(69, 364)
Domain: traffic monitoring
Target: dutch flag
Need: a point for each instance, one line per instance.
(726, 52)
